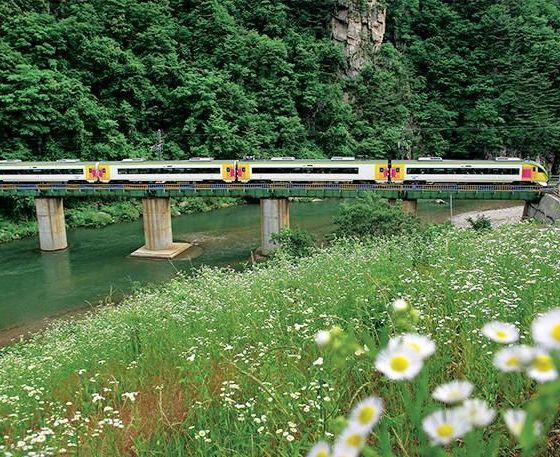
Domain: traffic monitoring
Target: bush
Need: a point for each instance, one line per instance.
(371, 215)
(295, 242)
(480, 223)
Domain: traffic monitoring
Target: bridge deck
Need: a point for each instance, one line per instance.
(279, 190)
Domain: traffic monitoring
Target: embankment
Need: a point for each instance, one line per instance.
(225, 363)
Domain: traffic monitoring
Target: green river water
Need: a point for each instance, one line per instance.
(96, 267)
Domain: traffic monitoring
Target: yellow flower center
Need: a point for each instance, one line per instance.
(365, 416)
(445, 430)
(354, 440)
(322, 453)
(543, 363)
(501, 334)
(414, 346)
(556, 332)
(517, 429)
(513, 361)
(399, 363)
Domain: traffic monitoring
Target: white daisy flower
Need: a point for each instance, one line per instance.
(321, 449)
(501, 332)
(445, 426)
(400, 305)
(322, 338)
(478, 412)
(515, 422)
(398, 362)
(546, 329)
(352, 438)
(367, 412)
(513, 358)
(453, 392)
(420, 344)
(542, 368)
(345, 451)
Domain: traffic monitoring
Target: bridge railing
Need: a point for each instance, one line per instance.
(281, 186)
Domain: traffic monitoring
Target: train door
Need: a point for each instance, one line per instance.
(381, 172)
(527, 173)
(397, 172)
(243, 172)
(103, 172)
(228, 172)
(91, 173)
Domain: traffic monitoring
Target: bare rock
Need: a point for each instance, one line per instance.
(359, 26)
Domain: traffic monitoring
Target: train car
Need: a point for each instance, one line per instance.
(504, 170)
(337, 169)
(196, 169)
(61, 171)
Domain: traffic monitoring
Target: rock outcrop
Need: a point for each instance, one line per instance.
(359, 26)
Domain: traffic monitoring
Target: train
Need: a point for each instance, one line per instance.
(424, 170)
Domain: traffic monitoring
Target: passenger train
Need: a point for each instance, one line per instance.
(425, 170)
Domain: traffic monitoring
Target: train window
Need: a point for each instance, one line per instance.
(381, 169)
(42, 171)
(305, 170)
(398, 169)
(167, 171)
(243, 169)
(534, 169)
(228, 169)
(462, 171)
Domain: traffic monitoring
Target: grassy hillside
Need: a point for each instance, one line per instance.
(225, 363)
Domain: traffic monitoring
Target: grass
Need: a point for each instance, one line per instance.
(224, 363)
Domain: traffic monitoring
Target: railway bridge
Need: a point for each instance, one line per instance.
(540, 202)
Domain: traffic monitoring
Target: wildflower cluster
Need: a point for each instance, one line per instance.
(226, 360)
(403, 359)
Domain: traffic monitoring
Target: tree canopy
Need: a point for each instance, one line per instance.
(97, 79)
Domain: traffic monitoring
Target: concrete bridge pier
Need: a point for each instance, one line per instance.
(157, 231)
(50, 218)
(410, 206)
(275, 215)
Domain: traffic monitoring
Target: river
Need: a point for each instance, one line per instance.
(96, 267)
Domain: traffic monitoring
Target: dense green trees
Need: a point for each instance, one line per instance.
(487, 75)
(228, 78)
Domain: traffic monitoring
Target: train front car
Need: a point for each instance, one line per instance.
(435, 170)
(534, 173)
(335, 170)
(194, 170)
(60, 172)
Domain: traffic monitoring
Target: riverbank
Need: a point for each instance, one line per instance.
(225, 362)
(497, 217)
(96, 213)
(97, 263)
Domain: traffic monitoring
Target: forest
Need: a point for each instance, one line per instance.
(107, 79)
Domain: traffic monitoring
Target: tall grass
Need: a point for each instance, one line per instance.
(225, 363)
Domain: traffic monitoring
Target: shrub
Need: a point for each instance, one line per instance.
(371, 215)
(295, 242)
(480, 223)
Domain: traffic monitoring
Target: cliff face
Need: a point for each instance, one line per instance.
(359, 26)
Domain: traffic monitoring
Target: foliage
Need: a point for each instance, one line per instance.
(370, 215)
(295, 242)
(97, 80)
(486, 83)
(480, 223)
(226, 362)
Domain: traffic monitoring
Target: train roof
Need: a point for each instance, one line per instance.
(278, 162)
